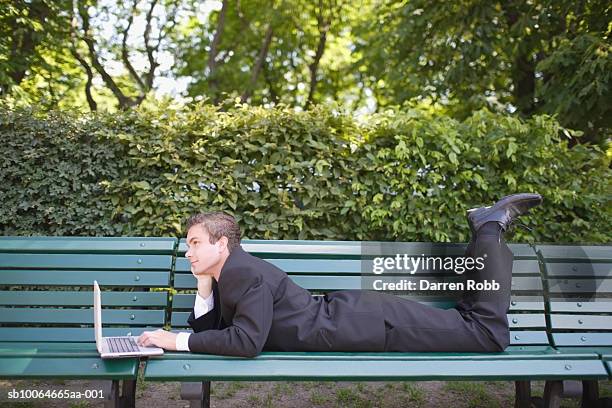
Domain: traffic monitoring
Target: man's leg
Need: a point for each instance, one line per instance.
(478, 322)
(490, 308)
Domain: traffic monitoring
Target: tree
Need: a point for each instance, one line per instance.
(33, 37)
(136, 85)
(529, 57)
(266, 51)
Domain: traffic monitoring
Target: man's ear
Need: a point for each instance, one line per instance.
(223, 241)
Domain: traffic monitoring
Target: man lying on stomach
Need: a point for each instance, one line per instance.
(245, 305)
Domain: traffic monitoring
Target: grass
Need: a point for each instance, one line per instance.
(605, 388)
(318, 398)
(413, 394)
(261, 401)
(79, 404)
(227, 390)
(283, 388)
(350, 396)
(141, 384)
(475, 393)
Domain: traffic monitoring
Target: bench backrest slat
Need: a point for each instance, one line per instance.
(86, 261)
(71, 298)
(88, 245)
(80, 316)
(578, 282)
(46, 285)
(62, 334)
(35, 277)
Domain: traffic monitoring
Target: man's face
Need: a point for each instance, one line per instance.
(201, 253)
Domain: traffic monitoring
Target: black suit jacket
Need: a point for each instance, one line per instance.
(258, 307)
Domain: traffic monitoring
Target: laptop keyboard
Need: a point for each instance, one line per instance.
(122, 344)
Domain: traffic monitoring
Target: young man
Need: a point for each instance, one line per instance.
(245, 305)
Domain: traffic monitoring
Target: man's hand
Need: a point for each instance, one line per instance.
(159, 338)
(204, 285)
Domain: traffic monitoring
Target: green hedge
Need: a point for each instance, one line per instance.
(399, 175)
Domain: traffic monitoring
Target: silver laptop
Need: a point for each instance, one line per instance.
(117, 347)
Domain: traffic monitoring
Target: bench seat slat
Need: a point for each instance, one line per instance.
(419, 369)
(48, 349)
(511, 353)
(64, 367)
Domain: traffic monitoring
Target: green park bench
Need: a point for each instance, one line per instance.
(46, 300)
(578, 283)
(323, 266)
(46, 317)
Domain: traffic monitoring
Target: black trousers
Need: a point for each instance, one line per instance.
(478, 323)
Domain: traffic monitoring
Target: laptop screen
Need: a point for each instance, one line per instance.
(98, 316)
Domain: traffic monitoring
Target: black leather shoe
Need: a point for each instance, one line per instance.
(504, 211)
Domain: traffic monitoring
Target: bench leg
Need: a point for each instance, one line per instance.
(590, 394)
(119, 394)
(523, 398)
(111, 393)
(197, 393)
(553, 392)
(128, 394)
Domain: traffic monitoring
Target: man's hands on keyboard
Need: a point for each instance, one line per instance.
(158, 338)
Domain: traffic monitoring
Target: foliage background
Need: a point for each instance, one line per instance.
(326, 119)
(407, 174)
(521, 58)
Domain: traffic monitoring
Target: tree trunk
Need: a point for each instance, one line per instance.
(213, 83)
(523, 69)
(261, 59)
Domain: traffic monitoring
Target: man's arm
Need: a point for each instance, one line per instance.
(200, 308)
(210, 319)
(249, 329)
(203, 317)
